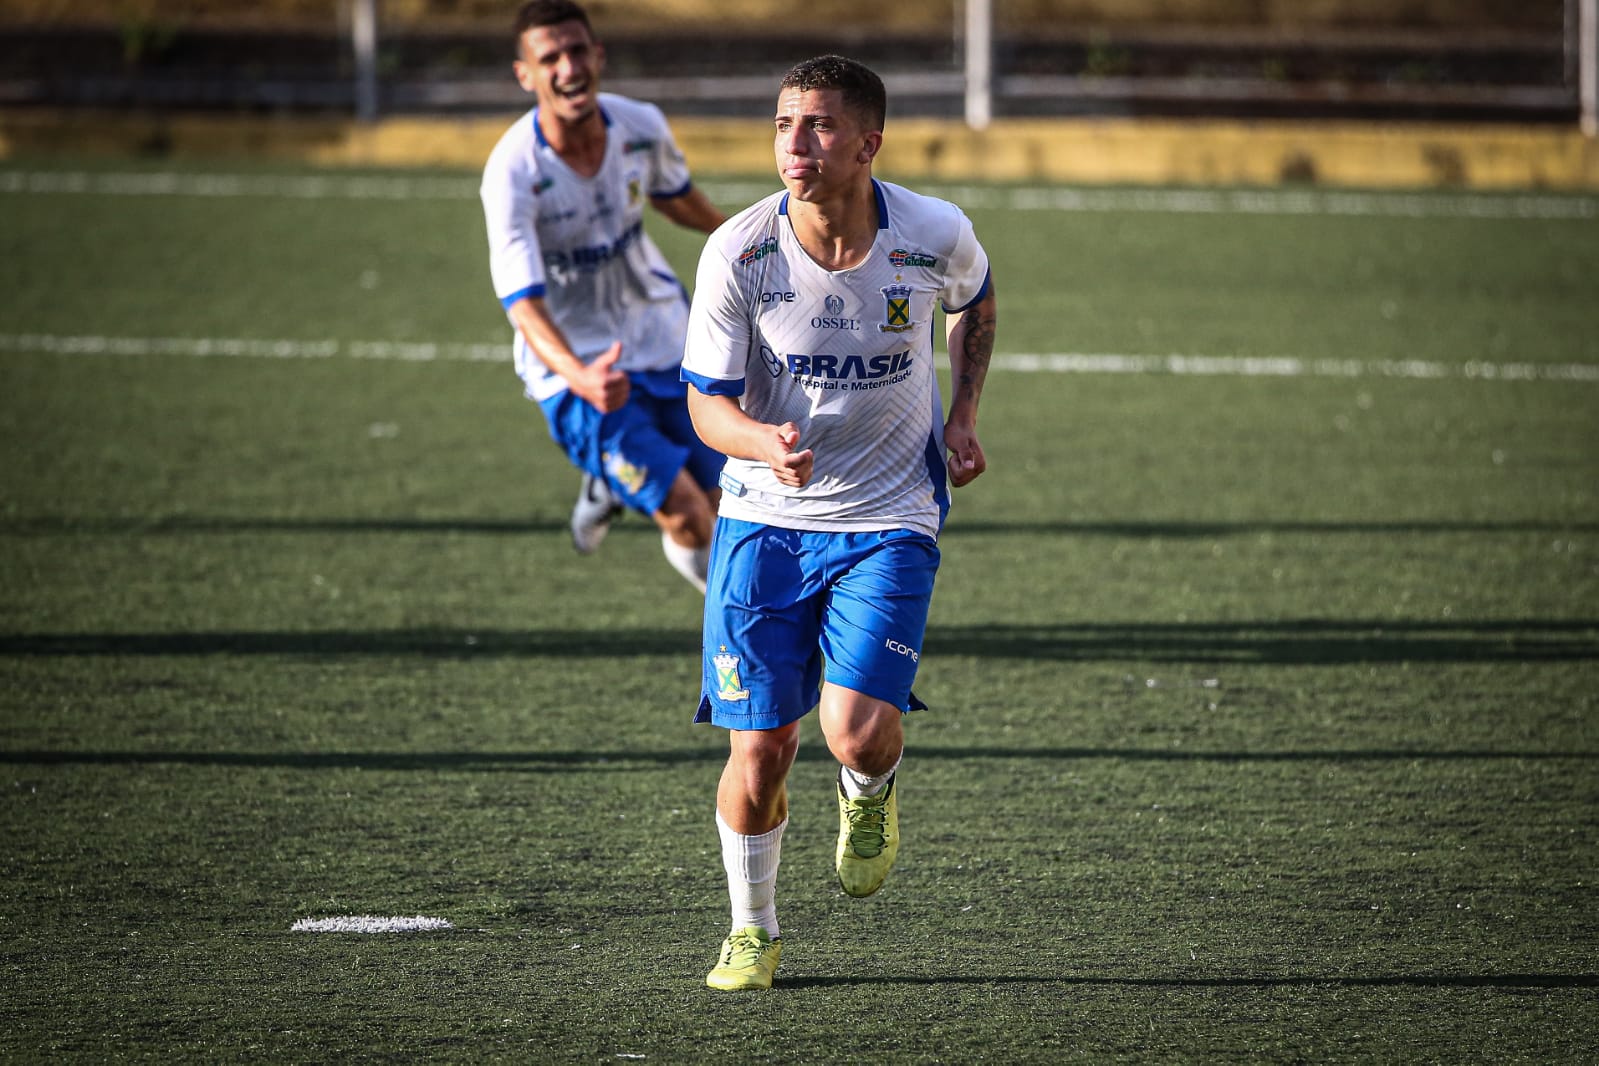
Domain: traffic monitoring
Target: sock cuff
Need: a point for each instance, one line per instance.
(751, 858)
(692, 563)
(859, 784)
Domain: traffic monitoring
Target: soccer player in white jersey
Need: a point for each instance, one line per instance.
(598, 313)
(810, 356)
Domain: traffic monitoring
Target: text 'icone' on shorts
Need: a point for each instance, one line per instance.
(783, 605)
(639, 449)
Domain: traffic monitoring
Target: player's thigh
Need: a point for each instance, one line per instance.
(763, 612)
(626, 448)
(876, 617)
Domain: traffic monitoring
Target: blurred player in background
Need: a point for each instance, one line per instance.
(599, 315)
(810, 356)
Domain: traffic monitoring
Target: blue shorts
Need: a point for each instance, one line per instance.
(782, 602)
(639, 449)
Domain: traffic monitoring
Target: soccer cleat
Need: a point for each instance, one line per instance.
(868, 839)
(592, 514)
(748, 961)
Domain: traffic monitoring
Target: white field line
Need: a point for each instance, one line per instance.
(337, 186)
(369, 923)
(1046, 363)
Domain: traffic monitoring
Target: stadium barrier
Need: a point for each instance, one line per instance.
(1093, 151)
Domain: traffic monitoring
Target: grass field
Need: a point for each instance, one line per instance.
(1265, 682)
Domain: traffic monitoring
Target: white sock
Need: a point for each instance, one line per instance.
(751, 865)
(857, 784)
(692, 563)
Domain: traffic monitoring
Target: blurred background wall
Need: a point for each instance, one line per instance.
(1487, 90)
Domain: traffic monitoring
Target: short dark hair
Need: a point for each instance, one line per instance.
(548, 13)
(862, 90)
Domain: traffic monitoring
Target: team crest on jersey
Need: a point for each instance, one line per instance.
(754, 253)
(902, 258)
(634, 193)
(629, 476)
(728, 685)
(897, 309)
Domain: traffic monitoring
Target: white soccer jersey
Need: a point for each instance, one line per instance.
(579, 243)
(847, 356)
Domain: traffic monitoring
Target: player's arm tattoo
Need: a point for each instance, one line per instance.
(978, 326)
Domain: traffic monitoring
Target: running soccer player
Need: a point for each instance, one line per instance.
(810, 356)
(599, 315)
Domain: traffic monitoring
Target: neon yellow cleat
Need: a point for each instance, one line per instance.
(749, 959)
(868, 839)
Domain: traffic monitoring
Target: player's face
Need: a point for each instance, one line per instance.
(562, 64)
(821, 146)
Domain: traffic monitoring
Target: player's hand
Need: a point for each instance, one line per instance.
(601, 384)
(966, 459)
(793, 468)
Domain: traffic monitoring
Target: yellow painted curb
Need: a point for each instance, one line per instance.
(1131, 151)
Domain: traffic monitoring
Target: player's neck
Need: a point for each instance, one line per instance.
(839, 232)
(580, 144)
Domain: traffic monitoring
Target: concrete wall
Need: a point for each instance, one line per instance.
(1088, 151)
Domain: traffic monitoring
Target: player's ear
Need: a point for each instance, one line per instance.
(524, 75)
(869, 146)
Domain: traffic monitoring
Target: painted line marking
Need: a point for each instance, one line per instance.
(369, 923)
(340, 186)
(1181, 365)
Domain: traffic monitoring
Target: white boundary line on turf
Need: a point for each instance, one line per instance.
(1291, 367)
(337, 186)
(1029, 362)
(370, 923)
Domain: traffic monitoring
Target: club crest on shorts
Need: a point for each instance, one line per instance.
(728, 686)
(631, 477)
(897, 309)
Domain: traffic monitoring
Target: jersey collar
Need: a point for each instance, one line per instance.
(538, 131)
(877, 191)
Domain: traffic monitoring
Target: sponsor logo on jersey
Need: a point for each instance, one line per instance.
(774, 365)
(542, 184)
(591, 257)
(728, 685)
(902, 258)
(833, 319)
(897, 309)
(634, 192)
(850, 372)
(754, 253)
(777, 297)
(640, 144)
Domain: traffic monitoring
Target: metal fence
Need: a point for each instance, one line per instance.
(355, 64)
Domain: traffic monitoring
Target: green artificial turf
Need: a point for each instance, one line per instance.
(1265, 709)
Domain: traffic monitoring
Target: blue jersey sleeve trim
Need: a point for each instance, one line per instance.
(533, 292)
(714, 386)
(975, 300)
(688, 186)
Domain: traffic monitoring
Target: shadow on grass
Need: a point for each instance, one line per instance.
(1287, 642)
(631, 761)
(177, 525)
(1502, 980)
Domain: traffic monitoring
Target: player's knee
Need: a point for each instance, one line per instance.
(868, 740)
(687, 517)
(766, 754)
